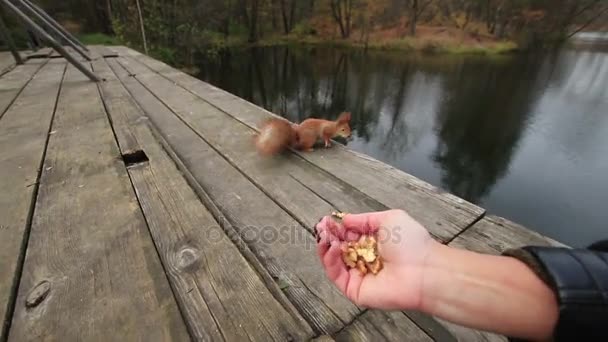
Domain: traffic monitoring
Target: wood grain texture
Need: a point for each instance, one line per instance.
(376, 325)
(281, 244)
(494, 235)
(23, 134)
(39, 54)
(220, 294)
(89, 247)
(303, 190)
(443, 214)
(275, 176)
(7, 62)
(13, 82)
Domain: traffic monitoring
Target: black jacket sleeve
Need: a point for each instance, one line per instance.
(579, 278)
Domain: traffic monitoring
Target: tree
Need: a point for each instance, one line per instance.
(250, 10)
(288, 11)
(416, 8)
(341, 11)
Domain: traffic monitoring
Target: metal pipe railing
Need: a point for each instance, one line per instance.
(55, 24)
(50, 40)
(32, 12)
(6, 36)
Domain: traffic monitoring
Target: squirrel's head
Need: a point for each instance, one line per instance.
(343, 121)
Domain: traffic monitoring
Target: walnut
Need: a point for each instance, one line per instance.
(361, 266)
(375, 266)
(338, 215)
(363, 255)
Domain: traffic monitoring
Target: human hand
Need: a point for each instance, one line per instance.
(404, 245)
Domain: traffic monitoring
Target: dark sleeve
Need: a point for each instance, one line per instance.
(579, 278)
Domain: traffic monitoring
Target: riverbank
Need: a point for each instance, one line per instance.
(427, 40)
(407, 44)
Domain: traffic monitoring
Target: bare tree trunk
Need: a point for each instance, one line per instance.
(253, 21)
(143, 29)
(336, 10)
(109, 9)
(292, 14)
(273, 14)
(413, 17)
(284, 16)
(348, 10)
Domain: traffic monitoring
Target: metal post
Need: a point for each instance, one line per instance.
(53, 29)
(9, 41)
(55, 24)
(38, 30)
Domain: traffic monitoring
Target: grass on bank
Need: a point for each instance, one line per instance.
(98, 39)
(404, 44)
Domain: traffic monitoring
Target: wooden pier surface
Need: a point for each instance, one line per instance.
(137, 209)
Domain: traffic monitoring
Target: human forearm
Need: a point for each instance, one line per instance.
(494, 293)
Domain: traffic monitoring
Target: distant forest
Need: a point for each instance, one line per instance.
(183, 26)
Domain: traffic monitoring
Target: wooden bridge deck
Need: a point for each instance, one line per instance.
(196, 237)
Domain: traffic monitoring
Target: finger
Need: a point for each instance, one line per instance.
(367, 223)
(336, 229)
(353, 289)
(321, 225)
(334, 266)
(323, 243)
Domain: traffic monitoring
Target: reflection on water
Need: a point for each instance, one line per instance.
(526, 137)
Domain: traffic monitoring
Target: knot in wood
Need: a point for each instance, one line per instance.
(188, 258)
(38, 294)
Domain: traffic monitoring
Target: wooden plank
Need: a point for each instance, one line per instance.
(7, 62)
(282, 177)
(41, 53)
(220, 294)
(303, 190)
(288, 251)
(102, 51)
(12, 83)
(375, 325)
(23, 134)
(91, 271)
(443, 214)
(494, 235)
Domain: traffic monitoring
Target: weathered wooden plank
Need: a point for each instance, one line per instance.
(303, 190)
(375, 325)
(7, 62)
(220, 294)
(278, 176)
(443, 214)
(12, 83)
(23, 134)
(494, 235)
(41, 53)
(102, 51)
(91, 271)
(278, 241)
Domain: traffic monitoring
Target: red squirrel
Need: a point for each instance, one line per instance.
(276, 135)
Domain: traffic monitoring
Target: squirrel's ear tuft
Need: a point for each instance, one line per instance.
(344, 117)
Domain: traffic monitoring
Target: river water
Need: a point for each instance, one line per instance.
(525, 136)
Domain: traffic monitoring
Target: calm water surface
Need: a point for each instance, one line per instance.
(524, 136)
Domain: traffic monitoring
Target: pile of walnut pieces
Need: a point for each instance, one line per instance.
(362, 254)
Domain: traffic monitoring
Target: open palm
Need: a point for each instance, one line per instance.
(403, 244)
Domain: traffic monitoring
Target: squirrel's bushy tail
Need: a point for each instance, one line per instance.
(275, 136)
